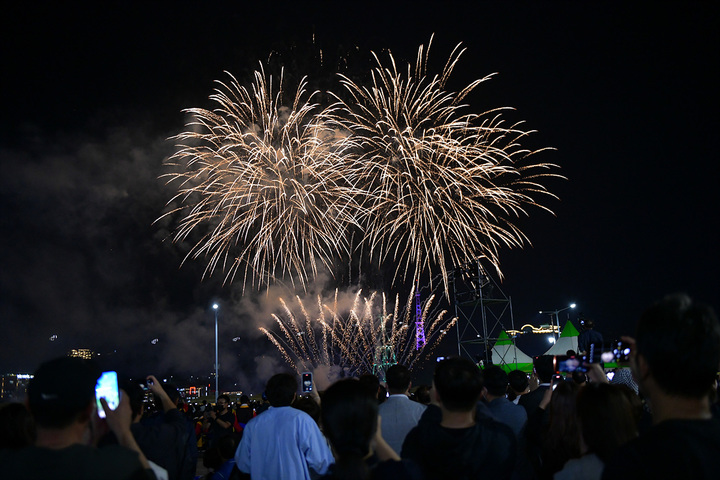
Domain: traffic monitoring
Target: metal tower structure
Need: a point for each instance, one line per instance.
(419, 327)
(482, 309)
(384, 355)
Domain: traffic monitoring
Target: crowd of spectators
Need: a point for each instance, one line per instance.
(657, 418)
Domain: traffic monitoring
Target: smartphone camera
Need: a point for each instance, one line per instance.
(622, 352)
(307, 382)
(566, 364)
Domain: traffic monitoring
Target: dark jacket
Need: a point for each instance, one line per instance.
(486, 450)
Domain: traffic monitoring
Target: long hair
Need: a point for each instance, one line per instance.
(562, 441)
(606, 418)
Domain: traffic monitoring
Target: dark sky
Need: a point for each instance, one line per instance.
(626, 94)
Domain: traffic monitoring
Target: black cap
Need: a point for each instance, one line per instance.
(64, 382)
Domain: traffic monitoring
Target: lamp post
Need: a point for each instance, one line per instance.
(557, 319)
(215, 307)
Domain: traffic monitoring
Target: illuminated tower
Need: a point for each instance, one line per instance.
(384, 353)
(419, 327)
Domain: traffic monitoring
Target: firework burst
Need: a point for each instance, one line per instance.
(395, 164)
(349, 340)
(442, 187)
(268, 181)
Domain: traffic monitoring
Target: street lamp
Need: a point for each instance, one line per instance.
(215, 307)
(557, 319)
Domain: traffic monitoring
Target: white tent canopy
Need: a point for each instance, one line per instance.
(505, 353)
(568, 341)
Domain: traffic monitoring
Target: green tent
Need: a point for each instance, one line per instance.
(568, 340)
(508, 356)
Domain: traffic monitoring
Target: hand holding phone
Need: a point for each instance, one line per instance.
(563, 363)
(153, 384)
(547, 396)
(119, 418)
(307, 382)
(622, 351)
(107, 388)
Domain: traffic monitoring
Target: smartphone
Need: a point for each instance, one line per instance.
(107, 388)
(555, 380)
(566, 364)
(622, 352)
(307, 382)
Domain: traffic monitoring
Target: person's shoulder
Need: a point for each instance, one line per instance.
(515, 409)
(587, 467)
(669, 449)
(15, 461)
(112, 462)
(693, 435)
(497, 435)
(506, 407)
(404, 469)
(493, 426)
(287, 414)
(116, 455)
(626, 461)
(401, 401)
(391, 402)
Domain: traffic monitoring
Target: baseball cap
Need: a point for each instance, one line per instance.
(66, 382)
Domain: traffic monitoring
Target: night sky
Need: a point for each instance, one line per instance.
(625, 94)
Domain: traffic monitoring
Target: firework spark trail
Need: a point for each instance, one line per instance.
(443, 186)
(310, 332)
(354, 335)
(293, 331)
(280, 348)
(269, 182)
(285, 189)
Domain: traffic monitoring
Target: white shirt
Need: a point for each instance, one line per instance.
(281, 443)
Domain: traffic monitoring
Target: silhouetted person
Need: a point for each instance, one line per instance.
(61, 397)
(164, 438)
(399, 413)
(350, 421)
(282, 442)
(675, 359)
(518, 385)
(450, 441)
(588, 336)
(543, 370)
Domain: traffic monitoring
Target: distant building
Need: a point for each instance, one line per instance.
(13, 386)
(84, 353)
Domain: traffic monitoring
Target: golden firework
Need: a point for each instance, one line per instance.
(442, 187)
(269, 182)
(396, 164)
(349, 339)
